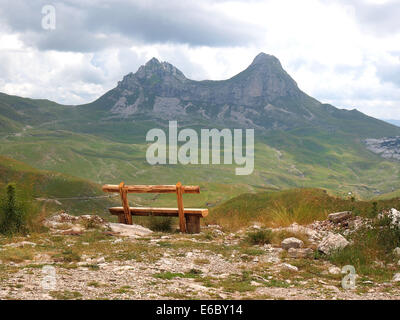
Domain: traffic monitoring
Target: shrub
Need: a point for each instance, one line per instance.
(13, 213)
(260, 237)
(369, 245)
(162, 224)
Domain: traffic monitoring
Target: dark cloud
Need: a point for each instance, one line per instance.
(87, 26)
(380, 19)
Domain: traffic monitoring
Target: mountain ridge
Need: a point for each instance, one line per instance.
(263, 96)
(299, 142)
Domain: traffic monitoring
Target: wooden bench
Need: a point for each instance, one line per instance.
(189, 218)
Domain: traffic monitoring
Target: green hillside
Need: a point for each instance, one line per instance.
(113, 151)
(55, 190)
(299, 142)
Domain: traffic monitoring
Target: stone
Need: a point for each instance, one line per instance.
(289, 267)
(334, 270)
(127, 230)
(100, 260)
(396, 277)
(337, 217)
(394, 215)
(89, 221)
(291, 243)
(332, 242)
(20, 244)
(396, 251)
(42, 257)
(300, 253)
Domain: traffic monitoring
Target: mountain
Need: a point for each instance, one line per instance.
(299, 141)
(394, 122)
(263, 96)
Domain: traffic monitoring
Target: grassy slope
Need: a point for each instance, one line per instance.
(281, 208)
(52, 185)
(76, 141)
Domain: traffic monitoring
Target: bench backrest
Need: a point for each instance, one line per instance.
(151, 188)
(123, 190)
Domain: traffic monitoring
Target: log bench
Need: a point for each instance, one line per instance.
(189, 218)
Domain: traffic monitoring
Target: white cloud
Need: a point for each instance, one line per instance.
(328, 47)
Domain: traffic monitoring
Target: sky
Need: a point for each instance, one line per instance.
(343, 52)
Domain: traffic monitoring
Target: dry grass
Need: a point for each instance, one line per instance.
(282, 208)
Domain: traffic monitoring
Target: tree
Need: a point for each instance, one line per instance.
(12, 213)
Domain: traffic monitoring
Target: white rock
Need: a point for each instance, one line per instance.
(295, 228)
(332, 242)
(300, 253)
(289, 267)
(127, 230)
(291, 243)
(396, 251)
(394, 215)
(100, 260)
(339, 216)
(334, 270)
(20, 244)
(396, 277)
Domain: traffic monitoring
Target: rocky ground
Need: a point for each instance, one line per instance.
(88, 258)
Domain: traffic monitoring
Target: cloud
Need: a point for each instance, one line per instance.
(343, 52)
(390, 72)
(84, 26)
(380, 17)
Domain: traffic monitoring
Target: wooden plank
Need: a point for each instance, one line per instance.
(181, 212)
(151, 188)
(192, 224)
(124, 198)
(148, 211)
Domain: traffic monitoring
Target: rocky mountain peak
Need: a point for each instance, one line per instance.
(263, 58)
(154, 68)
(263, 95)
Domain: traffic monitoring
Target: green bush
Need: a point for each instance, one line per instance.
(260, 237)
(388, 235)
(13, 213)
(162, 224)
(370, 245)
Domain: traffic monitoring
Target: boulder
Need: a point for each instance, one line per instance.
(396, 252)
(332, 242)
(394, 215)
(92, 221)
(337, 217)
(396, 277)
(289, 267)
(127, 230)
(300, 253)
(334, 270)
(291, 243)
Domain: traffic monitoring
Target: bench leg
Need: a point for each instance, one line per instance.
(121, 218)
(192, 224)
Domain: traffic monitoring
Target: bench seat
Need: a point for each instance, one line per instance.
(148, 211)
